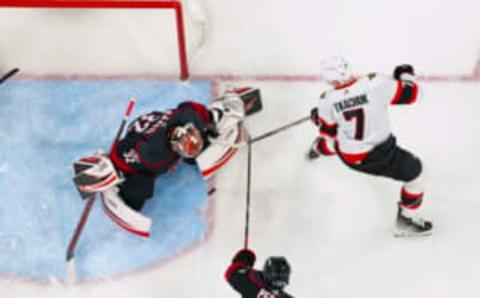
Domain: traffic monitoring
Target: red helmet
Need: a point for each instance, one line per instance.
(186, 140)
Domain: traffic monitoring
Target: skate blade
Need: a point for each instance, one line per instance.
(410, 234)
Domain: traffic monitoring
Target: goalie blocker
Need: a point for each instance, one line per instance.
(94, 174)
(251, 98)
(231, 132)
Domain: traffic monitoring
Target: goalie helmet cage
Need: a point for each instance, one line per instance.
(176, 5)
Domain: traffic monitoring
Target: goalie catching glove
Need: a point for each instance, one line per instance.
(230, 109)
(227, 131)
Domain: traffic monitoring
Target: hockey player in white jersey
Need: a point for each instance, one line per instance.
(354, 124)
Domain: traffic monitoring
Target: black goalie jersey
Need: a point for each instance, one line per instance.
(145, 150)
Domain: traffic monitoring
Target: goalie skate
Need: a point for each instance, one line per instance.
(411, 226)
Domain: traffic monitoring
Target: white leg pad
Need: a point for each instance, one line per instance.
(127, 218)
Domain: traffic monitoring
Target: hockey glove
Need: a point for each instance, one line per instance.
(245, 256)
(212, 131)
(94, 174)
(314, 116)
(401, 69)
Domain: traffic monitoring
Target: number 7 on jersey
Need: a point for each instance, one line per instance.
(359, 116)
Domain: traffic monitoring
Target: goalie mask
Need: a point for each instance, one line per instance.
(186, 140)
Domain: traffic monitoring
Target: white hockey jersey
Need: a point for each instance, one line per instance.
(354, 118)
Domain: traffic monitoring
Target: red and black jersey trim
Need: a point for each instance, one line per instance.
(406, 93)
(328, 129)
(254, 279)
(410, 200)
(322, 147)
(249, 273)
(119, 162)
(245, 256)
(233, 267)
(351, 158)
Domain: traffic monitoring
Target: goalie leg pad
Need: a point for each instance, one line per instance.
(127, 218)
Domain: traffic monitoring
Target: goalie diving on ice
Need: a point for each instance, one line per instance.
(155, 143)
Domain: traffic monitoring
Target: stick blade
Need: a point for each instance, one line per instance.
(71, 275)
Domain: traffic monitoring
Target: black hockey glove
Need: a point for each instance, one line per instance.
(212, 131)
(401, 69)
(245, 256)
(314, 116)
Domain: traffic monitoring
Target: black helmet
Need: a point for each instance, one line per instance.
(276, 272)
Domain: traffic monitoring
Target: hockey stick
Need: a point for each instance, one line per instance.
(130, 107)
(73, 241)
(71, 276)
(247, 211)
(280, 129)
(8, 75)
(265, 135)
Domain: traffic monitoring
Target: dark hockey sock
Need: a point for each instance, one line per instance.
(409, 200)
(321, 147)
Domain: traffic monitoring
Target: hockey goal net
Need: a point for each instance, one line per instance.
(101, 36)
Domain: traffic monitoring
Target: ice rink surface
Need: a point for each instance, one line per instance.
(44, 126)
(334, 225)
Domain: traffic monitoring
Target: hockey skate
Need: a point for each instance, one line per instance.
(312, 154)
(411, 225)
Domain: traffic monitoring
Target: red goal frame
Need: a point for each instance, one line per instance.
(176, 5)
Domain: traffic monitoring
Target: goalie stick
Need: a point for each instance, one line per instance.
(8, 75)
(247, 208)
(70, 258)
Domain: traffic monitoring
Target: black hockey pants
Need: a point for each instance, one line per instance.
(136, 189)
(389, 160)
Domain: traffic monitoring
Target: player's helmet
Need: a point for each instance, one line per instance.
(336, 69)
(276, 272)
(186, 140)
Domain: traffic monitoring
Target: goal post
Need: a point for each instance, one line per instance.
(176, 5)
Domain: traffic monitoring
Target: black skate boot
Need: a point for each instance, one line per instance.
(312, 154)
(411, 225)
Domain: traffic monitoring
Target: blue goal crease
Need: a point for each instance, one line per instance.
(44, 126)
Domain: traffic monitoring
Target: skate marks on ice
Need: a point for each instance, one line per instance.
(49, 124)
